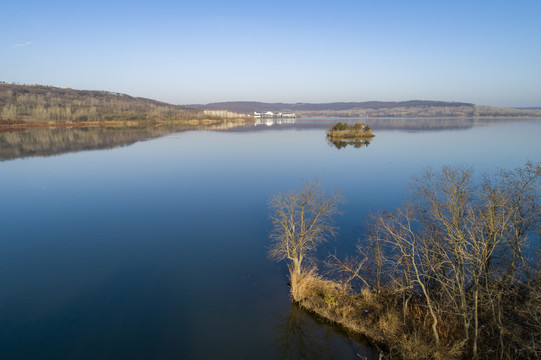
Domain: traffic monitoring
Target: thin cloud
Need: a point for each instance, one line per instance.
(19, 45)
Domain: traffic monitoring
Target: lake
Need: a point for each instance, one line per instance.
(152, 243)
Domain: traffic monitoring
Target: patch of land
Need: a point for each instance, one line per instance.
(342, 131)
(450, 274)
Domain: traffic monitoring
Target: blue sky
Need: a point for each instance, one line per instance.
(182, 52)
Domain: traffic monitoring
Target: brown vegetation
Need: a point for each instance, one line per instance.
(301, 221)
(342, 135)
(46, 104)
(447, 275)
(341, 131)
(377, 316)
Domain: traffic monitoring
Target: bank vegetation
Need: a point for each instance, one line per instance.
(453, 273)
(38, 104)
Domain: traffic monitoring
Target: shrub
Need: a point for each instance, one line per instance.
(340, 126)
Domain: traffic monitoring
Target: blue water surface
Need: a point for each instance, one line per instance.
(159, 249)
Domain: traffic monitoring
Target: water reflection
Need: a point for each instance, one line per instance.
(275, 121)
(20, 143)
(303, 336)
(356, 143)
(399, 124)
(138, 252)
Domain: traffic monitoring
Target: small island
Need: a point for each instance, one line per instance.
(342, 131)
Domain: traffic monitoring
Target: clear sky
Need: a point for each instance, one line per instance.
(183, 52)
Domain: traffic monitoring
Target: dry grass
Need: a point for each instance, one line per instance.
(390, 323)
(375, 316)
(350, 134)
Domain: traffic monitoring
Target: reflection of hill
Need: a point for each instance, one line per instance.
(400, 124)
(426, 124)
(48, 142)
(435, 124)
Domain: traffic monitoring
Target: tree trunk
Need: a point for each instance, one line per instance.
(476, 322)
(296, 278)
(297, 262)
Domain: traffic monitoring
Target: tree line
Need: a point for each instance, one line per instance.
(36, 103)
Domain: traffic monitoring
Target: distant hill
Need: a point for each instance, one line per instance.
(251, 106)
(38, 103)
(47, 104)
(413, 108)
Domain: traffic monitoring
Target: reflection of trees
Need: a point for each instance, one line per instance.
(411, 124)
(302, 336)
(20, 142)
(298, 338)
(342, 143)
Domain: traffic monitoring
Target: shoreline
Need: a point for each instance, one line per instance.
(21, 125)
(374, 317)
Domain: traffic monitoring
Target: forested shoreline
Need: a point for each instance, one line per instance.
(453, 273)
(47, 104)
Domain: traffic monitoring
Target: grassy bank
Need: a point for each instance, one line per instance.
(377, 317)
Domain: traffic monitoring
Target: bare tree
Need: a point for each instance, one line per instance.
(460, 245)
(410, 253)
(301, 220)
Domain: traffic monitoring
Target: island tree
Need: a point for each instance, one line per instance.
(301, 220)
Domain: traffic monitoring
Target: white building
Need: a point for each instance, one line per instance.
(270, 114)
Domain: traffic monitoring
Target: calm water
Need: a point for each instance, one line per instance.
(158, 249)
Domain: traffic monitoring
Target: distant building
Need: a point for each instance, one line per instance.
(270, 114)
